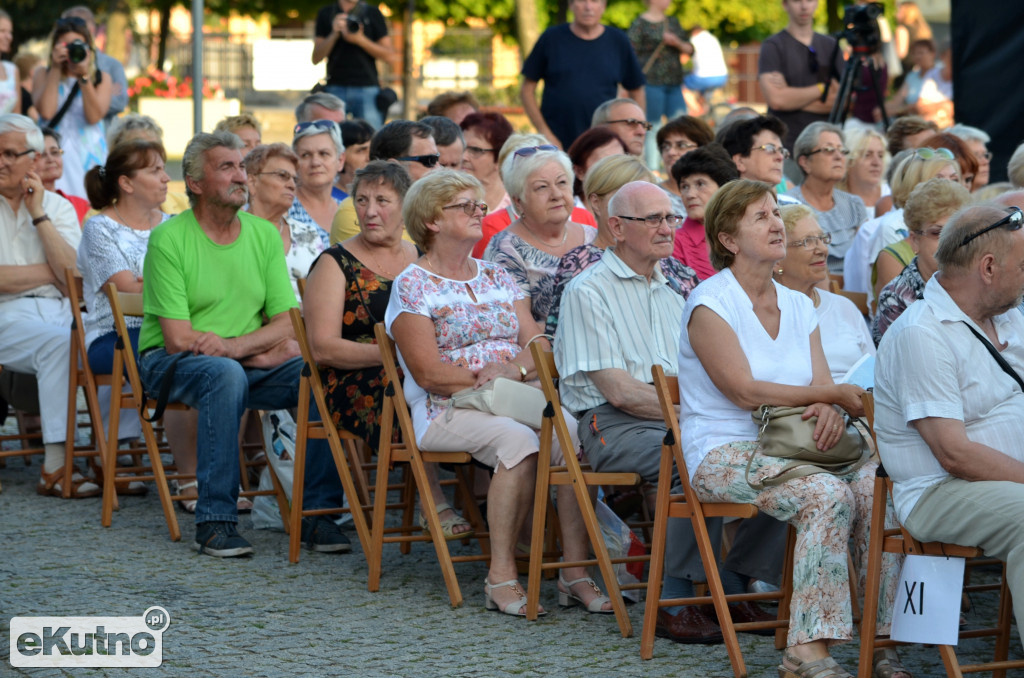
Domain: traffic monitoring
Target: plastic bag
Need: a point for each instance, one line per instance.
(621, 542)
(279, 439)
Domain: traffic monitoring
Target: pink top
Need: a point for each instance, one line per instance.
(691, 248)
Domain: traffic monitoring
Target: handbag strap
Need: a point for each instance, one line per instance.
(800, 469)
(55, 120)
(997, 355)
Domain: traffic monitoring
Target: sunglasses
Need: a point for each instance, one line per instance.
(1013, 221)
(425, 160)
(925, 153)
(633, 122)
(72, 22)
(531, 150)
(326, 125)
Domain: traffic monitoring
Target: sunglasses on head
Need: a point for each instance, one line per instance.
(926, 153)
(425, 160)
(326, 125)
(73, 22)
(531, 150)
(1013, 221)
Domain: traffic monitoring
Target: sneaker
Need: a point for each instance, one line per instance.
(319, 533)
(221, 540)
(758, 586)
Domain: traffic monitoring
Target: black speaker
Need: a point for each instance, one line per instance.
(987, 49)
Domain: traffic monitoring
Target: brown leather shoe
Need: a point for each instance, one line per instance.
(742, 613)
(690, 625)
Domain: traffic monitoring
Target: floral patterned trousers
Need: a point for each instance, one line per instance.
(826, 511)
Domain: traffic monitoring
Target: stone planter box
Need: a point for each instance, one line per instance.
(175, 117)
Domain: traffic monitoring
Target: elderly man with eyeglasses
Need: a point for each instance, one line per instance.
(40, 233)
(627, 120)
(949, 395)
(619, 318)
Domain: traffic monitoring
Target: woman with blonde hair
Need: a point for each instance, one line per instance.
(865, 172)
(246, 127)
(603, 180)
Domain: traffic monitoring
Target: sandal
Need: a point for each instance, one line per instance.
(567, 598)
(820, 668)
(188, 505)
(133, 488)
(448, 526)
(886, 663)
(517, 608)
(81, 487)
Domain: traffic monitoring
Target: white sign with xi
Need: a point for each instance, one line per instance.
(927, 605)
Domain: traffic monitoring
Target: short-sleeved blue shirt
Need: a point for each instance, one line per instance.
(579, 75)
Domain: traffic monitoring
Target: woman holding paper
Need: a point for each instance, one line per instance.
(844, 333)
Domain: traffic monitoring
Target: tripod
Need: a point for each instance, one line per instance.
(851, 81)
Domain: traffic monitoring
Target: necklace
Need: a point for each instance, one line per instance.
(384, 271)
(438, 271)
(565, 235)
(149, 223)
(816, 298)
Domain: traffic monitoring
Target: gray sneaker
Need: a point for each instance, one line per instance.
(221, 540)
(320, 533)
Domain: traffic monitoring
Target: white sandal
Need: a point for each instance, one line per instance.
(516, 608)
(447, 526)
(567, 598)
(188, 504)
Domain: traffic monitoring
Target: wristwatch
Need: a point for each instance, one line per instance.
(522, 371)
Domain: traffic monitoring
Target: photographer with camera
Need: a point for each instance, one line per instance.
(72, 96)
(352, 35)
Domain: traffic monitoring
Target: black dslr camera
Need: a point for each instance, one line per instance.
(860, 27)
(354, 19)
(78, 51)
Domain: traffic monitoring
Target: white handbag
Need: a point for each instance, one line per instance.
(504, 398)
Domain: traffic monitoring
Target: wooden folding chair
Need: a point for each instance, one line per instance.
(687, 505)
(407, 452)
(572, 473)
(122, 304)
(342, 443)
(30, 441)
(899, 540)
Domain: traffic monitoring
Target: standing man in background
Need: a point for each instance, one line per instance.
(582, 64)
(353, 35)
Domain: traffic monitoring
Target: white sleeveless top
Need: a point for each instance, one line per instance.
(707, 418)
(9, 88)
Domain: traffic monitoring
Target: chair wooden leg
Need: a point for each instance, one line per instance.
(380, 500)
(657, 567)
(1005, 617)
(540, 514)
(160, 478)
(949, 660)
(782, 633)
(298, 480)
(429, 509)
(869, 617)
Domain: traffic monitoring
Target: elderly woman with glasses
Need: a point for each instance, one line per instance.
(485, 134)
(747, 340)
(844, 335)
(50, 168)
(539, 180)
(272, 177)
(317, 144)
(928, 208)
(72, 83)
(821, 154)
(460, 322)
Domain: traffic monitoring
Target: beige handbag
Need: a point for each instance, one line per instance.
(504, 398)
(784, 433)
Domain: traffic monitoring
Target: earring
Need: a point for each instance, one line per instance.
(779, 272)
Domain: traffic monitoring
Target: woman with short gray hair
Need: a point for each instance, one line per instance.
(539, 181)
(821, 154)
(321, 153)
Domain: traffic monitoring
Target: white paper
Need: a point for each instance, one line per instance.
(862, 373)
(927, 605)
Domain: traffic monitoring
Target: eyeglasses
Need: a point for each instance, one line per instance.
(932, 233)
(829, 150)
(654, 220)
(811, 241)
(812, 59)
(425, 160)
(772, 148)
(677, 145)
(531, 150)
(476, 151)
(1014, 220)
(633, 122)
(469, 207)
(11, 156)
(280, 174)
(326, 125)
(52, 154)
(987, 155)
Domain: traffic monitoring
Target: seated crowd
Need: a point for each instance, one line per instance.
(469, 241)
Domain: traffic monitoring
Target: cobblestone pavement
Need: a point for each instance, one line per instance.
(263, 616)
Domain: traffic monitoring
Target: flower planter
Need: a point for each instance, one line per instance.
(175, 117)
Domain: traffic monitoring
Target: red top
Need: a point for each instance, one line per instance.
(691, 248)
(81, 205)
(498, 221)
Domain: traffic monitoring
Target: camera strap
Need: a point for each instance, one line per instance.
(55, 120)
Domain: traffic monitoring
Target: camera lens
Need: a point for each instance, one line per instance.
(77, 51)
(352, 24)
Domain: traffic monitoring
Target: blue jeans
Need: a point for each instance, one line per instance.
(221, 389)
(361, 102)
(101, 350)
(662, 100)
(703, 85)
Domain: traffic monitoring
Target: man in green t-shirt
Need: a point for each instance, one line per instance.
(212, 274)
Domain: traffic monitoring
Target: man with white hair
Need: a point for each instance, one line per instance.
(619, 318)
(949, 395)
(40, 233)
(320, 106)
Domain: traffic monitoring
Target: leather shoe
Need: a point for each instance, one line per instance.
(690, 625)
(744, 612)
